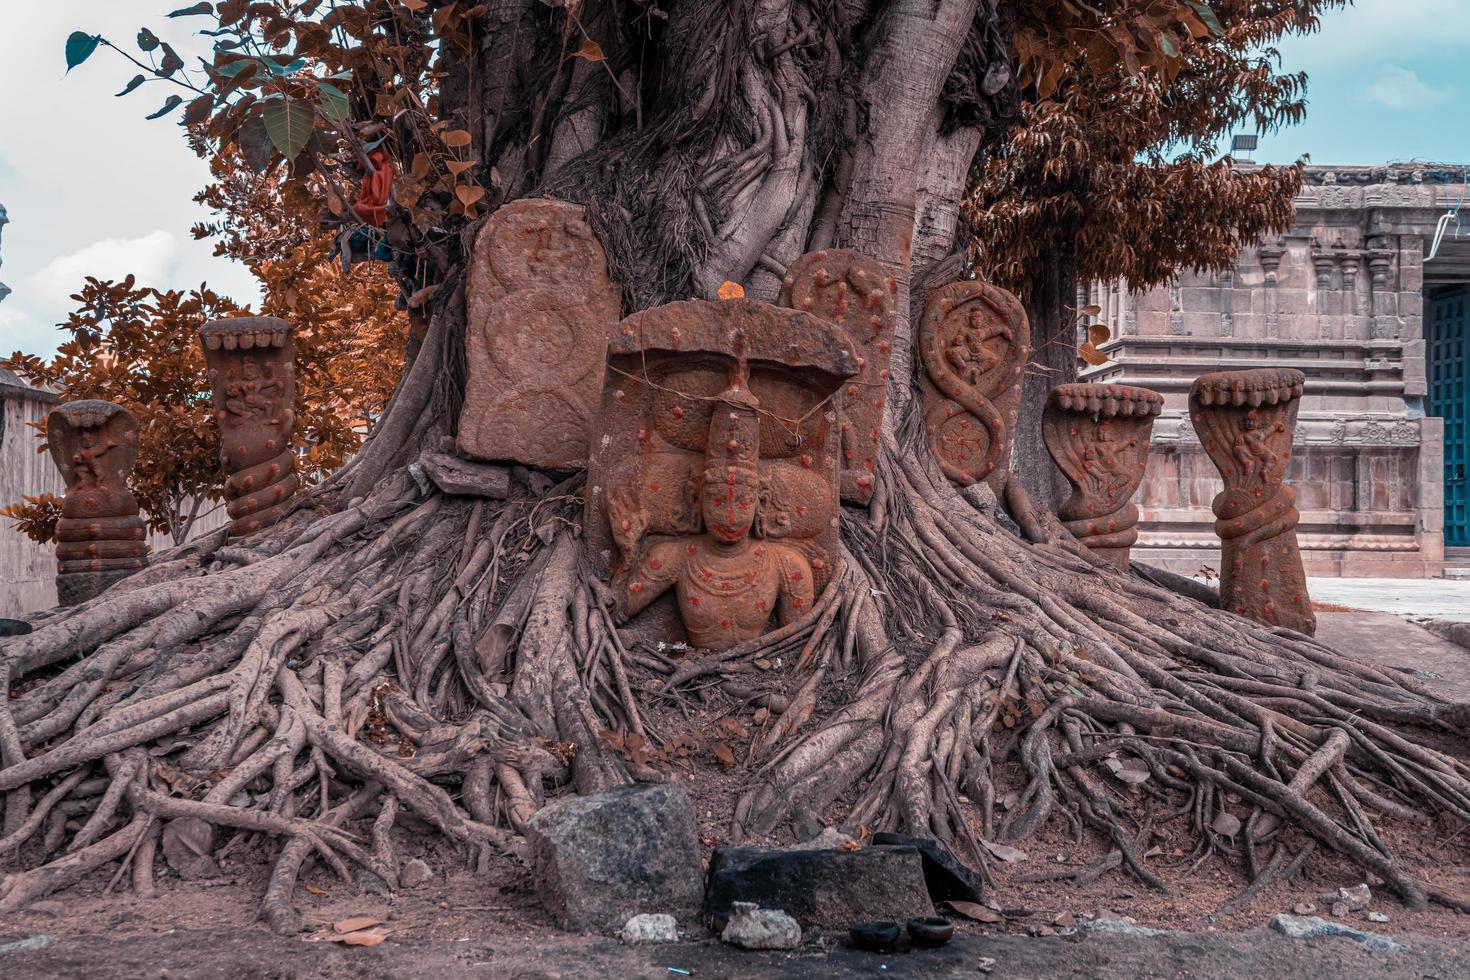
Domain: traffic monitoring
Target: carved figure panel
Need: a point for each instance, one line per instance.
(1098, 434)
(541, 310)
(853, 292)
(973, 341)
(252, 367)
(1246, 421)
(715, 474)
(100, 536)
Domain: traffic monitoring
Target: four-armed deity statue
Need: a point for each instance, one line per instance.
(1245, 421)
(100, 536)
(1098, 436)
(715, 474)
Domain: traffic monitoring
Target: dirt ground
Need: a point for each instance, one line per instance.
(485, 921)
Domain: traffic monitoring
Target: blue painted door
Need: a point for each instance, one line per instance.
(1449, 398)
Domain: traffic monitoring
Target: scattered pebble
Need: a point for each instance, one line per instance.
(1377, 917)
(1341, 909)
(30, 942)
(1305, 908)
(985, 964)
(650, 927)
(415, 873)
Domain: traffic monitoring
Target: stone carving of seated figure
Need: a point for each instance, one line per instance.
(728, 580)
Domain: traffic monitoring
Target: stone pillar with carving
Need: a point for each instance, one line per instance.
(715, 473)
(252, 368)
(541, 309)
(1245, 421)
(973, 343)
(1098, 435)
(101, 537)
(854, 292)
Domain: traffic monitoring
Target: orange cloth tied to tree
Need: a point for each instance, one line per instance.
(372, 203)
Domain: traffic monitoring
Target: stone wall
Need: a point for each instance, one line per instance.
(1340, 297)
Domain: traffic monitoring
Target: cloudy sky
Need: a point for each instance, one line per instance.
(95, 189)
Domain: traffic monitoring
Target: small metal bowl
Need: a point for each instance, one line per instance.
(930, 930)
(875, 936)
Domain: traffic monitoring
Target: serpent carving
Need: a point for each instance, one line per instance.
(973, 341)
(1245, 421)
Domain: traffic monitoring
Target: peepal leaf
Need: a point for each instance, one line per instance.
(147, 40)
(198, 8)
(79, 47)
(288, 124)
(137, 80)
(169, 105)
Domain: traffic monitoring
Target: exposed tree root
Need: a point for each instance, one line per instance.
(452, 659)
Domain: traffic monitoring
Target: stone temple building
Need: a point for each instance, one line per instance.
(1350, 297)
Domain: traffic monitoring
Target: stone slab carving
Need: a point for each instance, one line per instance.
(855, 293)
(1245, 421)
(100, 536)
(973, 342)
(541, 310)
(252, 368)
(1098, 435)
(715, 474)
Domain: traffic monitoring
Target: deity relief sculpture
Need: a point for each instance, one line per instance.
(101, 537)
(973, 342)
(541, 310)
(1245, 421)
(715, 475)
(252, 368)
(1098, 435)
(854, 292)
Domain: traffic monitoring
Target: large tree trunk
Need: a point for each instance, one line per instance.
(1052, 309)
(384, 645)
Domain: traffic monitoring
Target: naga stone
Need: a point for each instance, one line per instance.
(1245, 421)
(973, 342)
(541, 310)
(854, 292)
(100, 537)
(252, 367)
(716, 471)
(1098, 435)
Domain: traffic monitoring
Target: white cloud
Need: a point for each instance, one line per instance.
(1400, 88)
(150, 258)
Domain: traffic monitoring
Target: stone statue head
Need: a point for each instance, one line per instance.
(730, 494)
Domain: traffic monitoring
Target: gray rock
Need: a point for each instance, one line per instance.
(30, 942)
(415, 873)
(825, 888)
(1377, 917)
(461, 477)
(599, 860)
(650, 928)
(829, 838)
(1112, 924)
(752, 927)
(1311, 927)
(947, 879)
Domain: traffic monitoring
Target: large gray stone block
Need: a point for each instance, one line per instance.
(828, 889)
(600, 860)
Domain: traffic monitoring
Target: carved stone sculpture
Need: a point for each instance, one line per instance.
(100, 536)
(1098, 435)
(853, 292)
(252, 366)
(973, 342)
(541, 310)
(1245, 421)
(716, 470)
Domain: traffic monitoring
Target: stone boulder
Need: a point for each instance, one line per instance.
(599, 860)
(829, 889)
(946, 878)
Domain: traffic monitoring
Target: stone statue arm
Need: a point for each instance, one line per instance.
(642, 580)
(796, 589)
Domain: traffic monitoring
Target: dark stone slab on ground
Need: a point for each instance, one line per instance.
(828, 889)
(602, 859)
(14, 627)
(947, 879)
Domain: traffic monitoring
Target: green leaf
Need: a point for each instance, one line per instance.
(147, 40)
(289, 124)
(232, 68)
(169, 105)
(278, 67)
(333, 102)
(137, 80)
(198, 8)
(79, 47)
(1207, 15)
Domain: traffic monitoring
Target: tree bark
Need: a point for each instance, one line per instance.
(1052, 310)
